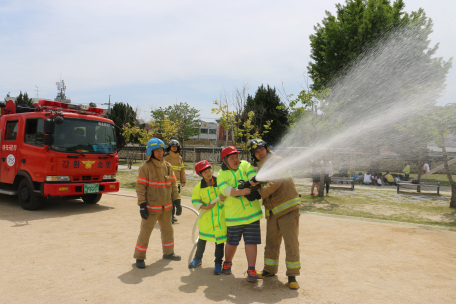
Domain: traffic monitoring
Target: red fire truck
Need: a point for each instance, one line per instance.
(56, 149)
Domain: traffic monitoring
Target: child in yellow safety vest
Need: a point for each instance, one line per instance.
(242, 211)
(212, 226)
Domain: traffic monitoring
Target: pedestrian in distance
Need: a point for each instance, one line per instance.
(173, 157)
(328, 173)
(212, 225)
(406, 171)
(315, 177)
(242, 210)
(156, 188)
(281, 202)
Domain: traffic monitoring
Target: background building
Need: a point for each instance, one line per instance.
(207, 131)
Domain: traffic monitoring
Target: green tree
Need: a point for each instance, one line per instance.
(184, 116)
(340, 39)
(24, 100)
(266, 106)
(92, 104)
(121, 114)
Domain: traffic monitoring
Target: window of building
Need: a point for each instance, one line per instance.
(11, 130)
(34, 132)
(212, 131)
(204, 131)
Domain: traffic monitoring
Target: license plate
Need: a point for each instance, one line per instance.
(91, 188)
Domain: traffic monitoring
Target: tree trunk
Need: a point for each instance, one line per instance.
(447, 169)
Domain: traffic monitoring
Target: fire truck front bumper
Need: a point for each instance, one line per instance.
(72, 189)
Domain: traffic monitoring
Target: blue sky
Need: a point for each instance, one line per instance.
(152, 53)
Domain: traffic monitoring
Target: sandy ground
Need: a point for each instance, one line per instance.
(71, 252)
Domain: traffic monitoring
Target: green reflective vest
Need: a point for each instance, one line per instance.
(238, 210)
(212, 225)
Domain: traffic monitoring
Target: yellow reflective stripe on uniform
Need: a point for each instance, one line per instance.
(271, 262)
(293, 264)
(176, 168)
(244, 218)
(286, 205)
(267, 212)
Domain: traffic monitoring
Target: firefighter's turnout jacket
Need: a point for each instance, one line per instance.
(212, 225)
(157, 186)
(238, 210)
(281, 201)
(178, 165)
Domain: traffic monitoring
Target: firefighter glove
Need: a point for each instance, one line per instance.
(254, 195)
(143, 211)
(177, 204)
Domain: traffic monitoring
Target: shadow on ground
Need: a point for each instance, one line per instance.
(54, 208)
(136, 276)
(235, 289)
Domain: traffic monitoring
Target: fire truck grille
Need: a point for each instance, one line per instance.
(86, 178)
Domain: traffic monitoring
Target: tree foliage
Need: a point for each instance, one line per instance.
(121, 114)
(267, 106)
(182, 115)
(340, 39)
(92, 104)
(24, 100)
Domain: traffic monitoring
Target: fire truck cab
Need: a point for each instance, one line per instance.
(55, 149)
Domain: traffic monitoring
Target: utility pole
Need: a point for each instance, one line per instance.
(36, 91)
(108, 104)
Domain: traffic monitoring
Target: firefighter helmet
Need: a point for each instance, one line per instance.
(255, 144)
(173, 142)
(229, 150)
(201, 166)
(154, 144)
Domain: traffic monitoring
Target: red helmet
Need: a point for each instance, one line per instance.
(229, 150)
(204, 164)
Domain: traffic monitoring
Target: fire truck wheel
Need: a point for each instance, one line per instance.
(28, 199)
(91, 198)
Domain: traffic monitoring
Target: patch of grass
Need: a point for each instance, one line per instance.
(391, 206)
(127, 179)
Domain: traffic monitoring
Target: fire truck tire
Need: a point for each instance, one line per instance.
(28, 199)
(91, 198)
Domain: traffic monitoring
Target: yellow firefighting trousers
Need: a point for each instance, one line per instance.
(286, 227)
(167, 233)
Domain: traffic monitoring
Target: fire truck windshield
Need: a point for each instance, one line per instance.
(86, 136)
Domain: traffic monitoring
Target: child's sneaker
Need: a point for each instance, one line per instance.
(227, 267)
(195, 263)
(251, 276)
(218, 269)
(312, 194)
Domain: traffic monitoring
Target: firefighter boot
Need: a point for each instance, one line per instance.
(292, 282)
(263, 274)
(172, 256)
(140, 264)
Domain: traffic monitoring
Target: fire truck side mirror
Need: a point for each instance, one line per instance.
(48, 126)
(58, 120)
(47, 139)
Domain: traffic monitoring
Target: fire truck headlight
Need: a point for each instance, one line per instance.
(107, 177)
(58, 178)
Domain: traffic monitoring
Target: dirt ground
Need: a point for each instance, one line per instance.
(71, 252)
